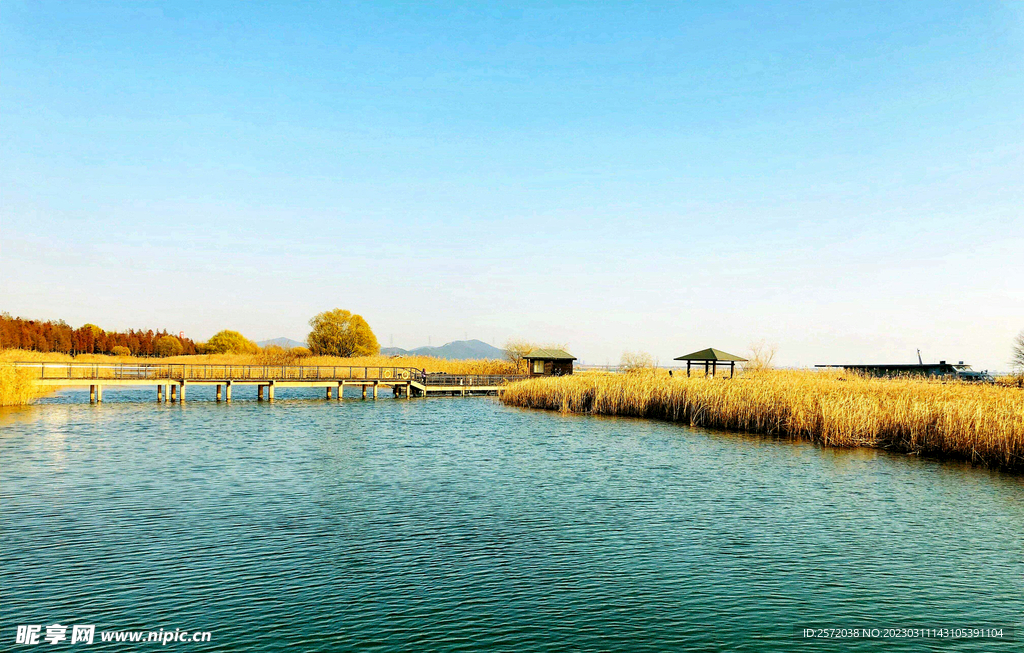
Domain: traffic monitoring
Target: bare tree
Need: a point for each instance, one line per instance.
(516, 350)
(1018, 353)
(636, 361)
(762, 353)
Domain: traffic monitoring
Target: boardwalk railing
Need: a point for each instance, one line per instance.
(190, 372)
(458, 380)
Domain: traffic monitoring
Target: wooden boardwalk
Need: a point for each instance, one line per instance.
(171, 380)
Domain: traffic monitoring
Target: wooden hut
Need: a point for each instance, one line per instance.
(549, 362)
(711, 358)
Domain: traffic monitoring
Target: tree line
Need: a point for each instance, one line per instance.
(334, 333)
(58, 336)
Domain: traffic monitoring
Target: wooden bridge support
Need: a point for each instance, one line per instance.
(171, 382)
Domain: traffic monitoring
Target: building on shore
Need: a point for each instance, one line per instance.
(549, 362)
(940, 369)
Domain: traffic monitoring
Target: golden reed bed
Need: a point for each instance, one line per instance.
(983, 424)
(17, 386)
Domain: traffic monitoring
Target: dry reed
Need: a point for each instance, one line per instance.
(17, 386)
(980, 423)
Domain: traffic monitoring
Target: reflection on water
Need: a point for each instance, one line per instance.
(463, 525)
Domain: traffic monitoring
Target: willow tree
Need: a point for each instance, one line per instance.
(340, 333)
(230, 342)
(167, 346)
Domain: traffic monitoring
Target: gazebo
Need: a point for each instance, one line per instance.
(711, 358)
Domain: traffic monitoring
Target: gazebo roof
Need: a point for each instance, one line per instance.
(711, 354)
(550, 355)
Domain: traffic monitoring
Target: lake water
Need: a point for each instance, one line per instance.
(463, 525)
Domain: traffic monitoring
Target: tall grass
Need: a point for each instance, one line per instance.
(483, 366)
(980, 423)
(17, 386)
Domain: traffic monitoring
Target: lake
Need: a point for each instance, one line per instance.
(463, 525)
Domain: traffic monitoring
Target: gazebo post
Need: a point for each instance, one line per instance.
(706, 368)
(687, 368)
(732, 368)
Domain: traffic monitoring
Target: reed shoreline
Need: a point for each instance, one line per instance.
(17, 386)
(980, 424)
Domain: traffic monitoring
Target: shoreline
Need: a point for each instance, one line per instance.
(982, 425)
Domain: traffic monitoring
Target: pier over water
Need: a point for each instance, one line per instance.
(172, 379)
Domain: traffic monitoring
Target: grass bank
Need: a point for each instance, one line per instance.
(16, 386)
(983, 424)
(483, 366)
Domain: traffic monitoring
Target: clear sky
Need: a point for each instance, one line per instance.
(843, 179)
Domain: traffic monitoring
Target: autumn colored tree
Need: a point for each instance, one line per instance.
(340, 333)
(48, 336)
(230, 342)
(167, 346)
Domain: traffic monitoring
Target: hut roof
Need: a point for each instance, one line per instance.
(711, 354)
(550, 355)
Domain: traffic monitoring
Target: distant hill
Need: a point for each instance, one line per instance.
(453, 351)
(286, 343)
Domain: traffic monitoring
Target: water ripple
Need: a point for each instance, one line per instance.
(467, 526)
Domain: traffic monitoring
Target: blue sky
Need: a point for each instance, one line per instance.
(842, 179)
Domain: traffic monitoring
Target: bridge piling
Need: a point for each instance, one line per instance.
(375, 390)
(270, 391)
(227, 392)
(220, 393)
(259, 392)
(92, 394)
(364, 391)
(181, 393)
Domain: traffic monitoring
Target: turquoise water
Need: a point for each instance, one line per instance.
(463, 525)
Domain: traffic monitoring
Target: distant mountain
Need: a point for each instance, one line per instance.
(453, 351)
(286, 343)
